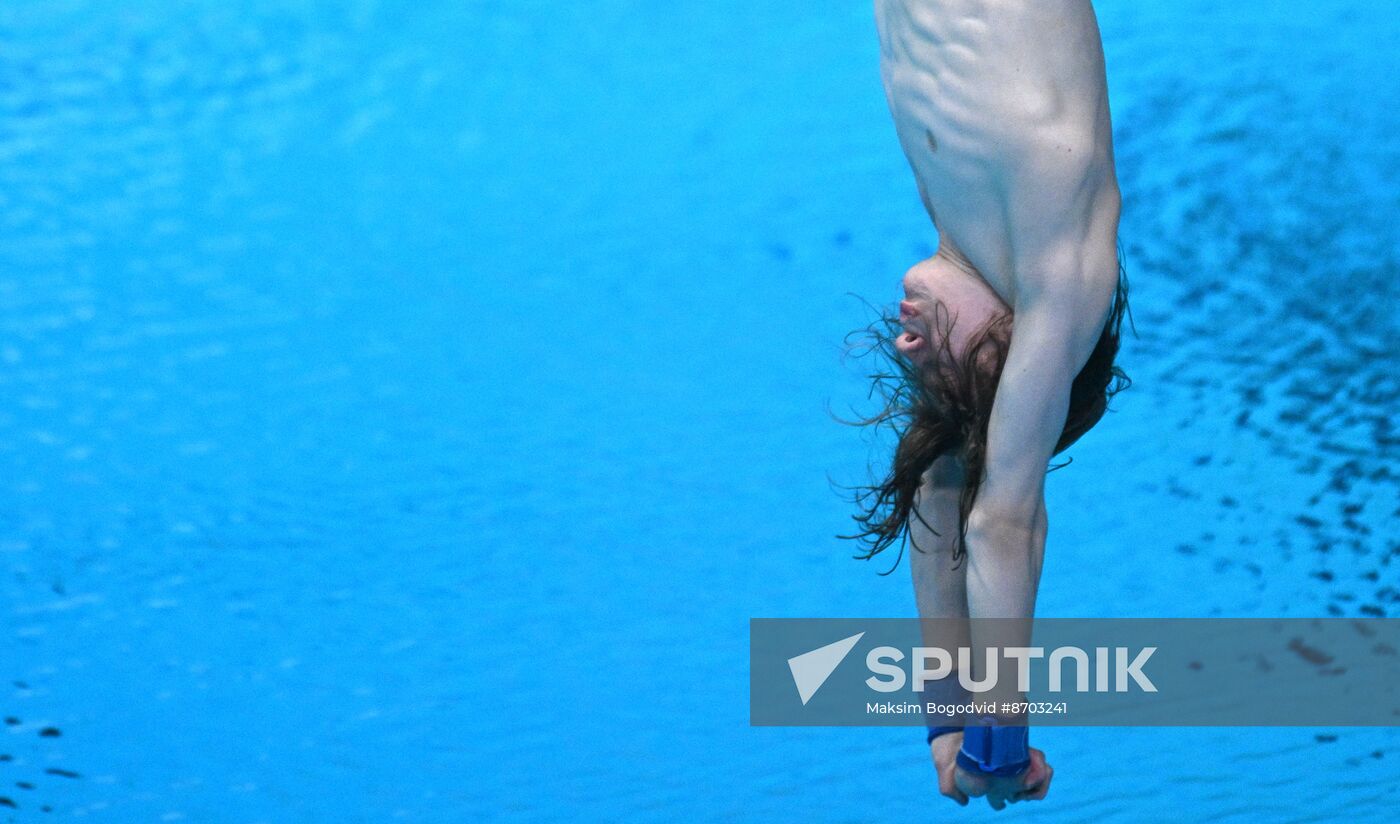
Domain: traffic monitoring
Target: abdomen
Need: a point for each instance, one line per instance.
(976, 87)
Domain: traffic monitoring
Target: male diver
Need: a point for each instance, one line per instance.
(1006, 339)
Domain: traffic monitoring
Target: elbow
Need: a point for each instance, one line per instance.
(1006, 509)
(1003, 531)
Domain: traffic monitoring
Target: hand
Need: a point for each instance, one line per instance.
(1031, 785)
(945, 762)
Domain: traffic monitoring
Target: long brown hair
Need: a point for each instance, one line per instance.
(943, 409)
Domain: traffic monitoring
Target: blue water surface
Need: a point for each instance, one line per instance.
(407, 406)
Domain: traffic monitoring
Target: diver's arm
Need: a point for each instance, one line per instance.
(1065, 219)
(940, 587)
(1005, 530)
(940, 591)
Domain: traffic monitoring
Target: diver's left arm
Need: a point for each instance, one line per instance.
(1006, 529)
(1066, 262)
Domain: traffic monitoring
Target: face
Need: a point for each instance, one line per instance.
(937, 293)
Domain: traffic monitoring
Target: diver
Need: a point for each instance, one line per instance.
(1005, 342)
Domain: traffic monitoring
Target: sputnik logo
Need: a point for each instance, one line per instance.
(811, 669)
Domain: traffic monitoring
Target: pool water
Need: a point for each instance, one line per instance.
(408, 405)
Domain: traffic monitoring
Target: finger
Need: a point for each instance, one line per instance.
(1039, 793)
(998, 797)
(948, 785)
(973, 787)
(1043, 771)
(1035, 773)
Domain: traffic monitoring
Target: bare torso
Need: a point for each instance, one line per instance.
(1001, 107)
(981, 89)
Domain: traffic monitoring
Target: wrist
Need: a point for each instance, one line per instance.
(945, 703)
(995, 746)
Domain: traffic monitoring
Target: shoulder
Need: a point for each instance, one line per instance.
(1063, 206)
(1064, 247)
